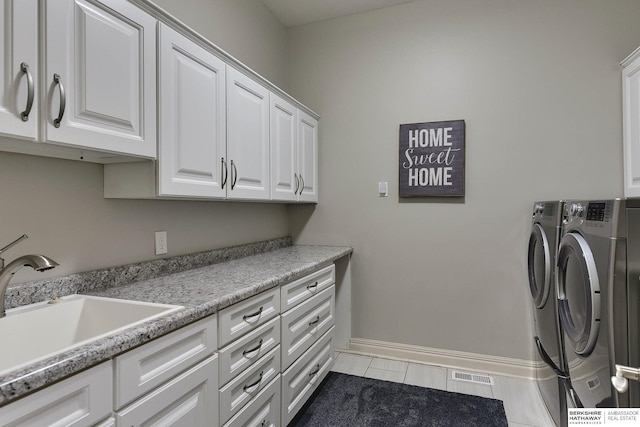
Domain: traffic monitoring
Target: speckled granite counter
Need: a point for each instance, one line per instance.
(202, 291)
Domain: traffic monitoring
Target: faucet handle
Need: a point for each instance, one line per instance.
(15, 242)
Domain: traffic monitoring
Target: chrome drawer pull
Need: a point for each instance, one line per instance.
(225, 173)
(63, 101)
(315, 371)
(314, 321)
(312, 288)
(30, 91)
(248, 316)
(234, 175)
(254, 384)
(251, 350)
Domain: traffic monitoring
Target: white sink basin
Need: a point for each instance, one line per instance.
(39, 331)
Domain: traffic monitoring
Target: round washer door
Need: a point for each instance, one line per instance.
(578, 293)
(539, 266)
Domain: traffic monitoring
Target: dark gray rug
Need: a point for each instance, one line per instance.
(350, 401)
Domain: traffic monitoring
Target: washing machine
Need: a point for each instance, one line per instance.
(546, 225)
(592, 299)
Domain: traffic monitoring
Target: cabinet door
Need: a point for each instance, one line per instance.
(188, 400)
(101, 56)
(308, 158)
(18, 84)
(303, 377)
(192, 136)
(284, 140)
(78, 401)
(631, 124)
(247, 137)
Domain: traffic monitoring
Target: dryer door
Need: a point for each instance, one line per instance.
(578, 293)
(540, 265)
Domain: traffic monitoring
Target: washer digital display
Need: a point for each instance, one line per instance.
(595, 211)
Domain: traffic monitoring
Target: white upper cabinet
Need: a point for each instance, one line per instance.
(284, 150)
(19, 68)
(100, 76)
(247, 137)
(294, 149)
(631, 123)
(308, 158)
(192, 128)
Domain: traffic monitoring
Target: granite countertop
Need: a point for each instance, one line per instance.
(201, 291)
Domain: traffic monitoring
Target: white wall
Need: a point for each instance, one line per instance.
(538, 85)
(59, 203)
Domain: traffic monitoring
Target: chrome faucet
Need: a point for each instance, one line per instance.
(37, 262)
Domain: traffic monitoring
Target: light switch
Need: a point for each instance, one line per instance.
(383, 189)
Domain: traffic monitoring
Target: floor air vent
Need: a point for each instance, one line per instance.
(472, 378)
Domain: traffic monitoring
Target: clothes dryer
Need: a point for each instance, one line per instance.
(591, 287)
(544, 239)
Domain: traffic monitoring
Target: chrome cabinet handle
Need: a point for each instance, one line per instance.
(295, 191)
(63, 101)
(314, 321)
(248, 316)
(224, 172)
(301, 185)
(257, 382)
(251, 350)
(30, 91)
(315, 371)
(234, 175)
(312, 287)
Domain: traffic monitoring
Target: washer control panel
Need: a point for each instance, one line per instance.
(596, 211)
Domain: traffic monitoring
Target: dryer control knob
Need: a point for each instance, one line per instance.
(539, 209)
(576, 210)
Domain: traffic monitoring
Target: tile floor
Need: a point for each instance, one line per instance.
(522, 402)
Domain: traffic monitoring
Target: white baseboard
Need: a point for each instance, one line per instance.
(447, 358)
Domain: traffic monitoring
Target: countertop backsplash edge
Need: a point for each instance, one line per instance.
(35, 291)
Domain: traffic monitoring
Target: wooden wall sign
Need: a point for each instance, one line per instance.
(432, 159)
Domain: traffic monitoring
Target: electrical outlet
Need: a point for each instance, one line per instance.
(161, 242)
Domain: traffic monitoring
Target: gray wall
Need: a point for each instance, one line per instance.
(59, 203)
(538, 84)
(246, 29)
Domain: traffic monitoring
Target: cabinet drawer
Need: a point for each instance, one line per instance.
(248, 384)
(303, 377)
(294, 293)
(146, 367)
(239, 355)
(81, 400)
(247, 315)
(262, 410)
(304, 324)
(190, 399)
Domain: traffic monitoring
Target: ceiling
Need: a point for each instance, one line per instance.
(298, 12)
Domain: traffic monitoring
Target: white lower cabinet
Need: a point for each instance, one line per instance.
(245, 351)
(262, 411)
(188, 400)
(141, 370)
(247, 315)
(81, 400)
(248, 384)
(305, 323)
(308, 332)
(303, 377)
